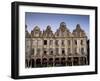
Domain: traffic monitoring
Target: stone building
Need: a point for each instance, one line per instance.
(61, 48)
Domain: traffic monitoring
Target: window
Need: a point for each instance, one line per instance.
(63, 51)
(38, 50)
(75, 50)
(57, 51)
(51, 42)
(32, 51)
(45, 42)
(34, 43)
(82, 50)
(39, 42)
(81, 42)
(62, 42)
(69, 51)
(56, 42)
(51, 51)
(45, 52)
(75, 42)
(68, 42)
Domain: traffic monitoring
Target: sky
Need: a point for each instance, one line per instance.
(42, 20)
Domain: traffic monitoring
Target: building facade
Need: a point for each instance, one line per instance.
(61, 48)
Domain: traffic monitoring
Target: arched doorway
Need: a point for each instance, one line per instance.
(44, 62)
(33, 63)
(38, 62)
(75, 61)
(63, 61)
(82, 60)
(69, 61)
(57, 62)
(50, 62)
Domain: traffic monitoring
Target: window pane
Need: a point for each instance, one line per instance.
(45, 42)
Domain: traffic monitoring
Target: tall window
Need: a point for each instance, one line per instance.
(38, 50)
(63, 51)
(75, 50)
(62, 42)
(32, 51)
(68, 51)
(51, 51)
(56, 42)
(45, 42)
(51, 42)
(39, 42)
(82, 50)
(33, 42)
(44, 51)
(68, 42)
(57, 50)
(81, 42)
(75, 41)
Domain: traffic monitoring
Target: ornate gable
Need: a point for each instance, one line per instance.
(36, 32)
(78, 32)
(63, 31)
(48, 32)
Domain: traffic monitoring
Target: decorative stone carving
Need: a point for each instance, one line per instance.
(36, 32)
(63, 31)
(48, 32)
(78, 32)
